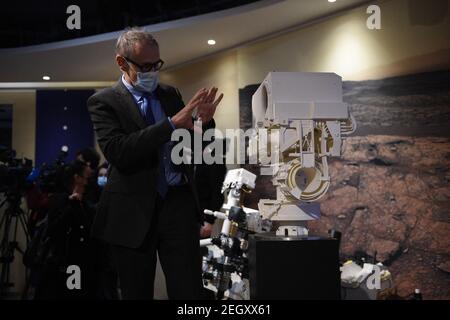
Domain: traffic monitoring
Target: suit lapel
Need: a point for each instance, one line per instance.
(165, 102)
(129, 104)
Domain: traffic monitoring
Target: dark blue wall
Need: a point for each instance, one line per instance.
(54, 110)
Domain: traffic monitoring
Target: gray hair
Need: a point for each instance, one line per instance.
(129, 37)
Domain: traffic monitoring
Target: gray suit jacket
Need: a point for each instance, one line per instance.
(126, 206)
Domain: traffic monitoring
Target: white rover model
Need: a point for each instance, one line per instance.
(300, 120)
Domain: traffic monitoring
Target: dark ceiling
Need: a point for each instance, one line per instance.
(25, 23)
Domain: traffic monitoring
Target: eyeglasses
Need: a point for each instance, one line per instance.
(156, 66)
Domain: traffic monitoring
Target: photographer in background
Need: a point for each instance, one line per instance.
(108, 274)
(102, 175)
(91, 158)
(69, 222)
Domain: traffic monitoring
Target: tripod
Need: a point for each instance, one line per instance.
(13, 216)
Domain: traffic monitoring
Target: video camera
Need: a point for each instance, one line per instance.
(49, 177)
(13, 172)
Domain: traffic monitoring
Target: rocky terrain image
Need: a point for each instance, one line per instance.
(390, 191)
(390, 198)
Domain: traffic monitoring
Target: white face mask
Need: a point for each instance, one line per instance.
(147, 81)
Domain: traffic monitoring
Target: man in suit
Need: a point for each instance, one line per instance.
(148, 205)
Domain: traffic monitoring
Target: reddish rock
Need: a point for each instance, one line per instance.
(431, 235)
(384, 249)
(444, 266)
(416, 270)
(395, 195)
(390, 195)
(340, 201)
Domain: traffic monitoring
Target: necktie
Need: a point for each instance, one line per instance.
(161, 182)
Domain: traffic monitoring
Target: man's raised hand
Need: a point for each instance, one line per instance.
(183, 119)
(207, 107)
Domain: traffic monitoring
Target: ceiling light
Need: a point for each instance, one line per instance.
(211, 42)
(46, 78)
(331, 0)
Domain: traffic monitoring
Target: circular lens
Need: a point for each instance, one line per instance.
(306, 184)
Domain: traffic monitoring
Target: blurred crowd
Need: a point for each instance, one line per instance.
(62, 206)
